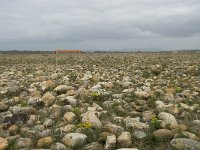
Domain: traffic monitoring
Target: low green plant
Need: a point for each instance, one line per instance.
(84, 125)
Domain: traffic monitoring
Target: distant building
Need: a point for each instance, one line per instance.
(67, 51)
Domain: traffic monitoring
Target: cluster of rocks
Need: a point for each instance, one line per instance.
(96, 102)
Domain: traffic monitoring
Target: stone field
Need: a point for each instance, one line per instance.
(100, 101)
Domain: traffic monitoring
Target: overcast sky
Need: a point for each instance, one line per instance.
(99, 24)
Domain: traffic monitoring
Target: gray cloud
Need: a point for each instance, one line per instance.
(49, 24)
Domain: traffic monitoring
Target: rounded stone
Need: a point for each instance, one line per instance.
(163, 133)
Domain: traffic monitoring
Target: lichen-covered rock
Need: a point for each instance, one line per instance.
(185, 144)
(168, 120)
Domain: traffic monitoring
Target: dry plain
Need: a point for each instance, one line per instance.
(97, 101)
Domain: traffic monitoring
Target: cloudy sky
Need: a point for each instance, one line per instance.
(99, 24)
